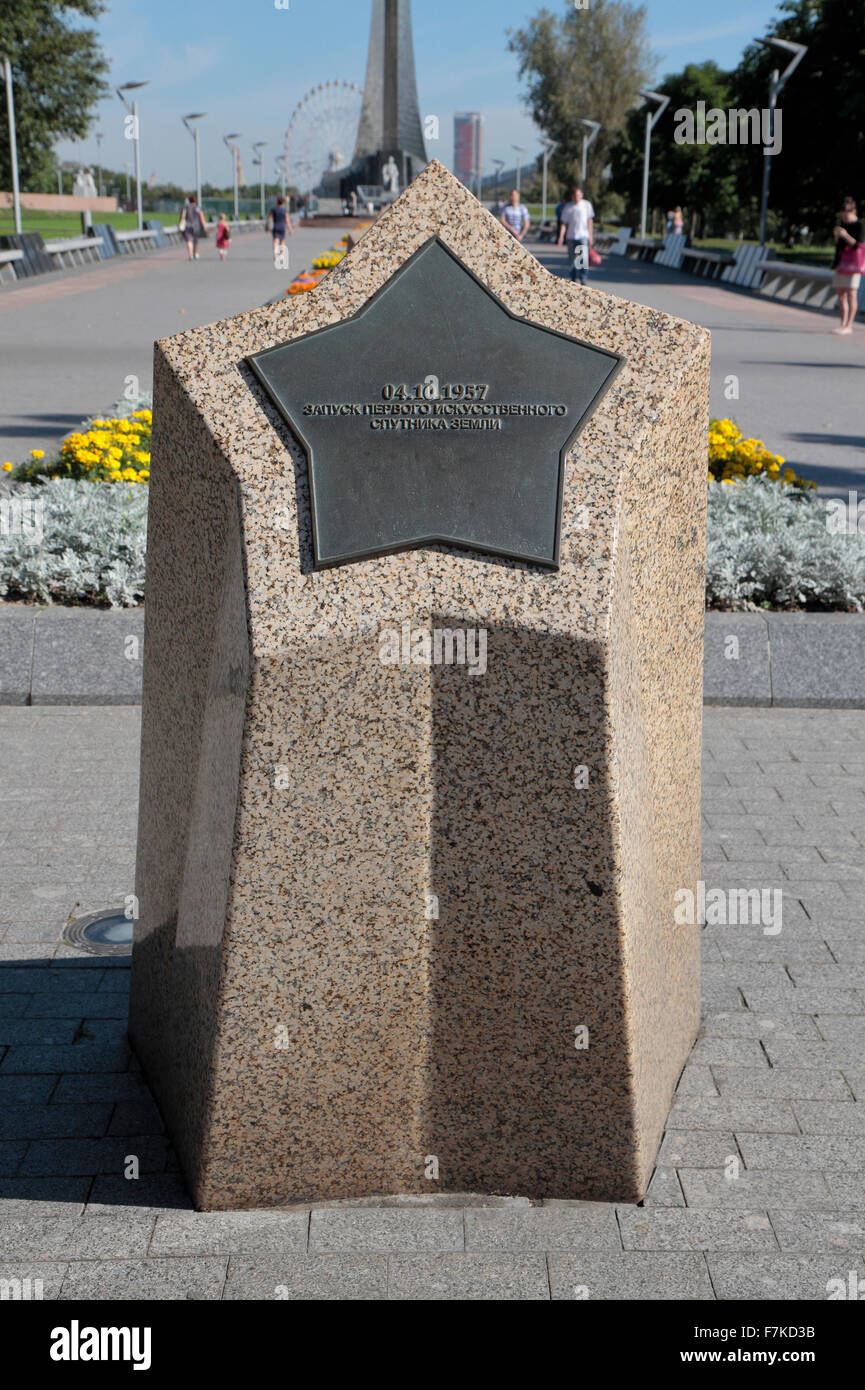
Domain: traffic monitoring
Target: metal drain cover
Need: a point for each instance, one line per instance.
(105, 933)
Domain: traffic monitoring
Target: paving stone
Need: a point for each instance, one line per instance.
(742, 1023)
(697, 1148)
(842, 1028)
(13, 1005)
(820, 1056)
(50, 1157)
(630, 1276)
(11, 1155)
(151, 1193)
(78, 657)
(335, 1278)
(759, 1277)
(17, 625)
(87, 1005)
(33, 1030)
(806, 1000)
(32, 1194)
(736, 660)
(696, 1081)
(760, 1117)
(741, 1052)
(830, 1117)
(30, 1281)
(781, 1083)
(385, 1231)
(84, 1057)
(664, 1189)
(755, 1190)
(819, 1230)
(81, 1238)
(201, 1233)
(136, 1117)
(807, 1151)
(584, 1227)
(53, 1121)
(112, 1086)
(697, 1229)
(125, 1280)
(847, 1188)
(26, 1090)
(468, 1276)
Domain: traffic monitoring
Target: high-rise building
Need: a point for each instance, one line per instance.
(469, 148)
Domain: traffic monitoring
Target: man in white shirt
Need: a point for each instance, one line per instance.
(515, 216)
(578, 220)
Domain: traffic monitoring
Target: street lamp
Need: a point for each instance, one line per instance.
(520, 151)
(549, 146)
(133, 111)
(592, 128)
(259, 145)
(776, 82)
(498, 165)
(193, 130)
(280, 164)
(99, 138)
(226, 140)
(13, 144)
(651, 121)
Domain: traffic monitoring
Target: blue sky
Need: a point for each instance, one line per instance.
(248, 64)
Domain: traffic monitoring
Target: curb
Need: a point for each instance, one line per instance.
(85, 656)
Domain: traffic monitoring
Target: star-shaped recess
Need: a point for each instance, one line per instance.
(434, 415)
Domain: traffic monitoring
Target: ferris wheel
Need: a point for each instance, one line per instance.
(321, 134)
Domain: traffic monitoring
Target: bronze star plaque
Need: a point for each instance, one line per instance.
(435, 416)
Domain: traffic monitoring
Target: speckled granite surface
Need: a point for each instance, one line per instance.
(309, 1029)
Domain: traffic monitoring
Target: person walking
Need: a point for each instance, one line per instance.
(578, 222)
(848, 264)
(515, 216)
(278, 222)
(223, 236)
(192, 225)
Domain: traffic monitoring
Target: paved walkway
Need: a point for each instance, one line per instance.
(69, 340)
(759, 1189)
(799, 385)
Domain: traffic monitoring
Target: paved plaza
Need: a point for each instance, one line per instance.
(70, 340)
(758, 1191)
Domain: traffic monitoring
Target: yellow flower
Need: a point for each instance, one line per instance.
(37, 453)
(7, 467)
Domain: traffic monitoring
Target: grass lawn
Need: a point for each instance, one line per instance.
(59, 224)
(810, 255)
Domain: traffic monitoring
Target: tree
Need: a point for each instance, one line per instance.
(703, 179)
(588, 63)
(823, 106)
(58, 75)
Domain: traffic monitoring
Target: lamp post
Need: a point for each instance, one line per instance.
(776, 82)
(498, 165)
(280, 164)
(193, 130)
(652, 119)
(99, 138)
(520, 151)
(227, 141)
(13, 144)
(132, 108)
(592, 128)
(549, 146)
(259, 146)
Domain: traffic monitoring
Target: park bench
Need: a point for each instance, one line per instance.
(547, 230)
(744, 268)
(7, 265)
(799, 284)
(708, 264)
(642, 248)
(74, 250)
(671, 252)
(136, 240)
